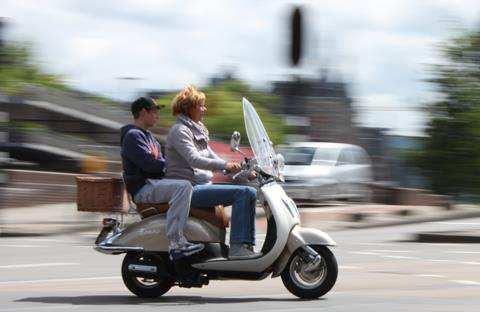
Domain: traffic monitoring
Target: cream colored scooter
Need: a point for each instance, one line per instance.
(301, 256)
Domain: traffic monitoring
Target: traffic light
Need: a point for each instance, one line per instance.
(296, 37)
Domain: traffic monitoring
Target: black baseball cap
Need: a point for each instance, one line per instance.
(144, 102)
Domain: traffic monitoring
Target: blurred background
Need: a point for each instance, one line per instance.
(392, 86)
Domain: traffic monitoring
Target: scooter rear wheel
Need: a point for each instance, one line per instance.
(310, 284)
(143, 287)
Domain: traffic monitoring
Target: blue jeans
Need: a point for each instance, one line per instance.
(242, 198)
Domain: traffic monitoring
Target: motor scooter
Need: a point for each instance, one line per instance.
(301, 256)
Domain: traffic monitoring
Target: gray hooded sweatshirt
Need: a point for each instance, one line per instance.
(187, 152)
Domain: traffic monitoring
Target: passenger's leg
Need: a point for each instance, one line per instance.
(177, 214)
(178, 194)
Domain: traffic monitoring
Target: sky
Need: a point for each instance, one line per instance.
(382, 49)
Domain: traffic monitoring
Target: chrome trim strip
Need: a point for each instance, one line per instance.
(116, 249)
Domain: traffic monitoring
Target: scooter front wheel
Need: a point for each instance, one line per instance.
(143, 286)
(306, 282)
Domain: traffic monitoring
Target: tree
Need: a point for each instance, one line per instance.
(18, 68)
(225, 112)
(451, 154)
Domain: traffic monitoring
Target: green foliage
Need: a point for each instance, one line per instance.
(225, 113)
(27, 126)
(451, 154)
(17, 69)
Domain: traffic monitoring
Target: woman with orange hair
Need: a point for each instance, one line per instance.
(190, 157)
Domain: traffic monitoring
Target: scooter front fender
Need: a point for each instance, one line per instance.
(298, 238)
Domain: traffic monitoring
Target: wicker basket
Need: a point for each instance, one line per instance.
(101, 194)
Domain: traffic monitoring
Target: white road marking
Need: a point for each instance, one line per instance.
(399, 257)
(91, 234)
(438, 260)
(465, 282)
(377, 252)
(394, 251)
(14, 240)
(60, 280)
(36, 308)
(262, 296)
(23, 246)
(314, 308)
(364, 253)
(349, 267)
(36, 265)
(373, 244)
(470, 262)
(463, 252)
(443, 244)
(457, 223)
(290, 309)
(431, 275)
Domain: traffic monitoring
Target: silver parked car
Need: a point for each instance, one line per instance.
(326, 171)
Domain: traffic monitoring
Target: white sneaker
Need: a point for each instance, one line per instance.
(186, 250)
(242, 251)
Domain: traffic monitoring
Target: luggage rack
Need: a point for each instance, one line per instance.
(109, 195)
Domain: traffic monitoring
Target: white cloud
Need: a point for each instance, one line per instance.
(381, 46)
(89, 49)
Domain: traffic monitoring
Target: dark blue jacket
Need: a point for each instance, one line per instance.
(141, 157)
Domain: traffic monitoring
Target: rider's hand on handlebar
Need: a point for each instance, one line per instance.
(252, 175)
(233, 167)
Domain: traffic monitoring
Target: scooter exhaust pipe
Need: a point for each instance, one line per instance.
(139, 268)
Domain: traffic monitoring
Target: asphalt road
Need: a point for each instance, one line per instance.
(379, 270)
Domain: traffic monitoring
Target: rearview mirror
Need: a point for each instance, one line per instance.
(235, 141)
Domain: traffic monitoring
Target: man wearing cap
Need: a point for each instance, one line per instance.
(143, 170)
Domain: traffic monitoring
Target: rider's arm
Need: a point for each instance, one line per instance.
(183, 144)
(212, 154)
(139, 152)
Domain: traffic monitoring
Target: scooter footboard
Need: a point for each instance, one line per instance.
(300, 237)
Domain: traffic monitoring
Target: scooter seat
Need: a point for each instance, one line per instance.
(213, 215)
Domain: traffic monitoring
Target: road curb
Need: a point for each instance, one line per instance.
(345, 220)
(453, 216)
(447, 237)
(44, 230)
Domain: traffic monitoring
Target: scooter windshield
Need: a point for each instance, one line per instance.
(260, 143)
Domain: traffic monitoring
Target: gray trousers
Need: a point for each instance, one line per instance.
(178, 194)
